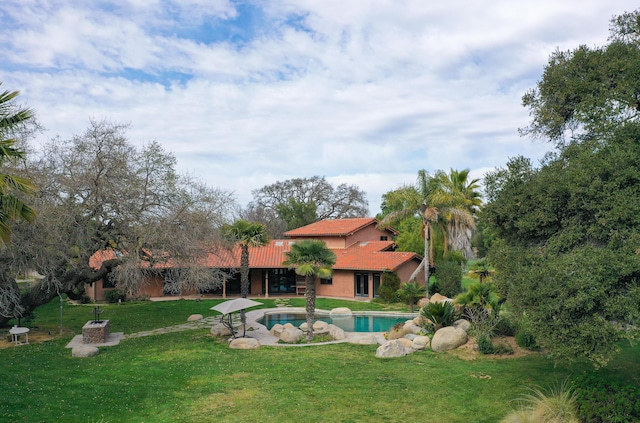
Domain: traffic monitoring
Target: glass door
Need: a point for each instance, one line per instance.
(362, 284)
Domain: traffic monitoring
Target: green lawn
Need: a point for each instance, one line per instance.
(191, 377)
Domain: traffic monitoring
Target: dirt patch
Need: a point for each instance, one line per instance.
(469, 351)
(35, 336)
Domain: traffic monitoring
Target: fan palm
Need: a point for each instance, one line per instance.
(310, 258)
(247, 234)
(11, 207)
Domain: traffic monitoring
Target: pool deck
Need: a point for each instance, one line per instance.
(261, 333)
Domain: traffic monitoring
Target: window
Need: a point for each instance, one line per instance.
(361, 284)
(110, 281)
(328, 281)
(383, 238)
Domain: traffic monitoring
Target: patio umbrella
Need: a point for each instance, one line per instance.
(231, 306)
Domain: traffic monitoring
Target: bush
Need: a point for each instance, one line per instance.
(600, 401)
(449, 277)
(485, 346)
(440, 314)
(115, 295)
(556, 406)
(389, 286)
(505, 327)
(526, 340)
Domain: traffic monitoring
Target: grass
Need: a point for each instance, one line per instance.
(191, 377)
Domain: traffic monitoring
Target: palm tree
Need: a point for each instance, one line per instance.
(439, 207)
(247, 234)
(11, 207)
(411, 292)
(310, 258)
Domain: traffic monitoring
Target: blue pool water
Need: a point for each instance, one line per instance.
(350, 324)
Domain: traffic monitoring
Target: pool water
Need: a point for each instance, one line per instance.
(354, 323)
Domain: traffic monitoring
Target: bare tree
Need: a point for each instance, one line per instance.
(301, 201)
(98, 192)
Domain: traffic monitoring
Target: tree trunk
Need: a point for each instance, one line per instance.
(427, 263)
(310, 294)
(244, 271)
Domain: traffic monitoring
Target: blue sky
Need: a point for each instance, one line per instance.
(246, 93)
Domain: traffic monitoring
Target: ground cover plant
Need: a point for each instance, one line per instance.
(190, 376)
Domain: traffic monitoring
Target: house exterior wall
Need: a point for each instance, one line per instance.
(369, 233)
(342, 285)
(154, 287)
(404, 272)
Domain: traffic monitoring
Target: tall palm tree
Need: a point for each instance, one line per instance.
(310, 258)
(11, 207)
(461, 193)
(247, 234)
(439, 208)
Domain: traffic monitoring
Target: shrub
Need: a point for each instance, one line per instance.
(411, 292)
(449, 277)
(115, 295)
(600, 401)
(557, 406)
(526, 340)
(505, 327)
(389, 286)
(440, 314)
(485, 346)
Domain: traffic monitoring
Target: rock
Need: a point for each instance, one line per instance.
(220, 330)
(420, 321)
(410, 327)
(84, 351)
(422, 302)
(320, 326)
(437, 298)
(364, 339)
(462, 324)
(397, 331)
(406, 342)
(291, 335)
(195, 317)
(244, 343)
(289, 326)
(336, 333)
(421, 343)
(390, 349)
(341, 312)
(303, 326)
(276, 330)
(410, 336)
(448, 338)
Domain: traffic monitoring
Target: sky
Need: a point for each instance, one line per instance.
(247, 93)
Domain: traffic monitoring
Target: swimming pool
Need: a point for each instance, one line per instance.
(354, 323)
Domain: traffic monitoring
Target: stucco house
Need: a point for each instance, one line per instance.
(363, 253)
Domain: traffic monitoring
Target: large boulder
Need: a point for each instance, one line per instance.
(291, 335)
(391, 349)
(448, 338)
(341, 312)
(336, 333)
(421, 343)
(462, 324)
(195, 317)
(244, 343)
(320, 326)
(276, 330)
(411, 327)
(437, 298)
(220, 330)
(84, 351)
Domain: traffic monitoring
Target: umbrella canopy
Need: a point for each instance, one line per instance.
(236, 304)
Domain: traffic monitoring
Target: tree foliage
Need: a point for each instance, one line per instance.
(568, 250)
(301, 201)
(99, 192)
(589, 91)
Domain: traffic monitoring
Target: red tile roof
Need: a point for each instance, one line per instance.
(368, 255)
(334, 227)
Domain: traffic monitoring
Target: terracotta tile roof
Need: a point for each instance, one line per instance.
(372, 255)
(368, 255)
(334, 227)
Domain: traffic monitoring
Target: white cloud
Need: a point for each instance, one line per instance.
(362, 92)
